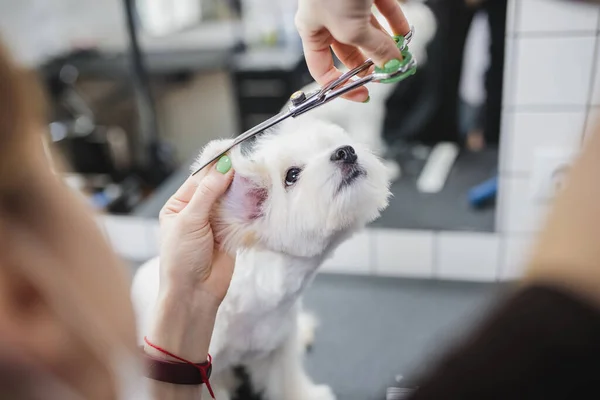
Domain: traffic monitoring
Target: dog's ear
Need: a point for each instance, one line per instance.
(238, 215)
(245, 198)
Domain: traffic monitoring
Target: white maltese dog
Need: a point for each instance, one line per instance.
(297, 193)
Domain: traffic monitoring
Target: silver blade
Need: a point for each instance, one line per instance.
(247, 135)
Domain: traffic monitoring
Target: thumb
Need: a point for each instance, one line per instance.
(378, 45)
(212, 186)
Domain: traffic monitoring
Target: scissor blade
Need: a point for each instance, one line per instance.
(247, 135)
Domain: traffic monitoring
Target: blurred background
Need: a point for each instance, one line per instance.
(477, 143)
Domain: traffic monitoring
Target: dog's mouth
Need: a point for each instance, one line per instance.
(350, 174)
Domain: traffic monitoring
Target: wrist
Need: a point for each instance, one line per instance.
(183, 324)
(188, 297)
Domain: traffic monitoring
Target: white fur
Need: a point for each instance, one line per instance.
(364, 122)
(279, 247)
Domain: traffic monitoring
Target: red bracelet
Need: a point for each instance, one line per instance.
(179, 373)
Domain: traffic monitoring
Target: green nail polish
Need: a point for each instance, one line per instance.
(224, 164)
(395, 65)
(367, 100)
(392, 66)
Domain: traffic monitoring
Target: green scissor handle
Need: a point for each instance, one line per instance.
(395, 65)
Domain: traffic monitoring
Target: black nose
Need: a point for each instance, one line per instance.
(344, 154)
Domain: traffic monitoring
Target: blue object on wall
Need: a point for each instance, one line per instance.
(484, 192)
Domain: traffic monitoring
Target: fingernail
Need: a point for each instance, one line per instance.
(367, 100)
(392, 65)
(224, 164)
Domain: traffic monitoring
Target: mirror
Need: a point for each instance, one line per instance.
(439, 130)
(443, 126)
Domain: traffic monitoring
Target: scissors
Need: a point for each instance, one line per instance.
(301, 102)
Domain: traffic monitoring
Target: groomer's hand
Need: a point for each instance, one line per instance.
(352, 31)
(190, 261)
(194, 274)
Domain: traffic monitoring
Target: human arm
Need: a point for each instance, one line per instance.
(194, 277)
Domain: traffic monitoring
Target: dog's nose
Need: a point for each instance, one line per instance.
(344, 154)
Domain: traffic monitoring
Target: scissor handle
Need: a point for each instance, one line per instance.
(302, 102)
(367, 64)
(347, 75)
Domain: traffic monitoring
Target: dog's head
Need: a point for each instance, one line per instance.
(298, 188)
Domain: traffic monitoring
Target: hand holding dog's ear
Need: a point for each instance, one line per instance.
(190, 260)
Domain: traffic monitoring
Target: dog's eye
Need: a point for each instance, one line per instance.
(292, 176)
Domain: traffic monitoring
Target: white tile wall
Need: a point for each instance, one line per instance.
(511, 20)
(353, 256)
(153, 237)
(467, 256)
(403, 253)
(515, 249)
(131, 237)
(552, 17)
(553, 71)
(528, 131)
(519, 212)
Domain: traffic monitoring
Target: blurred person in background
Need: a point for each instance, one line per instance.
(67, 325)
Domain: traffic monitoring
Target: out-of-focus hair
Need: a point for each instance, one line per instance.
(22, 120)
(38, 217)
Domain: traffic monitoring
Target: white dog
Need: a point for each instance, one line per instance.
(298, 193)
(364, 122)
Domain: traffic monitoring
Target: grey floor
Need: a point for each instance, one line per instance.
(373, 329)
(448, 209)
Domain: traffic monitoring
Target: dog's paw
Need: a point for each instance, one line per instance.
(394, 170)
(321, 392)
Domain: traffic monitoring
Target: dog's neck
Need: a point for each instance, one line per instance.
(264, 279)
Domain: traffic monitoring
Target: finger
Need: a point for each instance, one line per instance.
(317, 53)
(178, 201)
(393, 13)
(209, 190)
(324, 76)
(320, 64)
(182, 197)
(377, 45)
(350, 56)
(375, 22)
